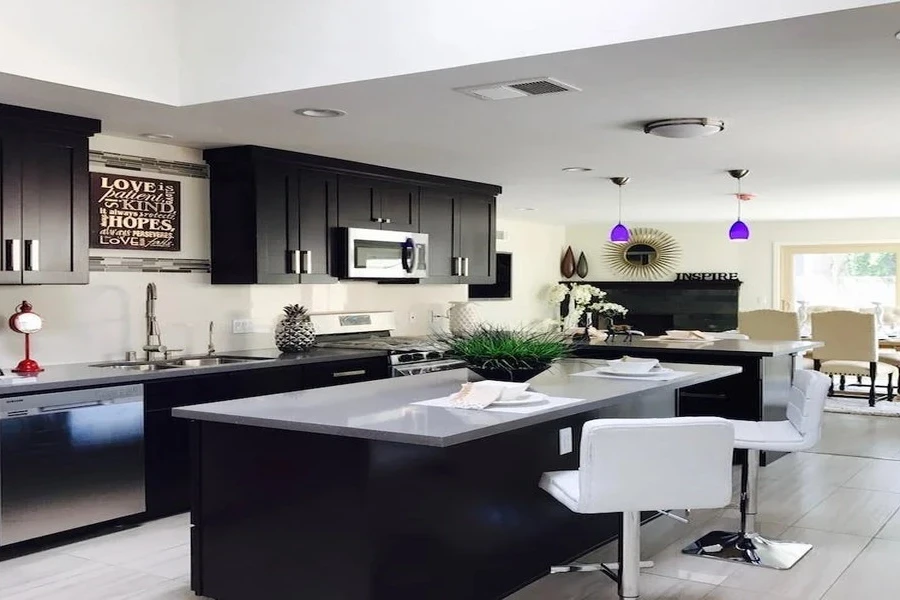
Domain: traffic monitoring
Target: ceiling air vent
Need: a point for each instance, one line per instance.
(537, 86)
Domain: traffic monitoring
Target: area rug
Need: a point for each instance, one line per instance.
(860, 406)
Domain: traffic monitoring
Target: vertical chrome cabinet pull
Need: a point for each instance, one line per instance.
(293, 262)
(465, 262)
(385, 220)
(32, 255)
(457, 267)
(306, 267)
(13, 255)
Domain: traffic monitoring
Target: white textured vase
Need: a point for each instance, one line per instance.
(464, 317)
(879, 316)
(803, 316)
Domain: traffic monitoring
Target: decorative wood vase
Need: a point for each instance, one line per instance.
(567, 268)
(581, 268)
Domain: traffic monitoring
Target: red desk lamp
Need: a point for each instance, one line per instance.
(27, 322)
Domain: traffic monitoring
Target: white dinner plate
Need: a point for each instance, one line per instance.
(524, 399)
(617, 373)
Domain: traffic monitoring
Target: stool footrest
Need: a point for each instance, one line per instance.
(750, 548)
(610, 569)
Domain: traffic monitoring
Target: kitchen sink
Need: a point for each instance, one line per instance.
(210, 361)
(136, 366)
(176, 363)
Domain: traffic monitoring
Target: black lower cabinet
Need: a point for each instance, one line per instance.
(166, 438)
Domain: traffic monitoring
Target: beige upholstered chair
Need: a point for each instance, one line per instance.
(851, 348)
(773, 325)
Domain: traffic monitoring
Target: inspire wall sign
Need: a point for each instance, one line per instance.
(135, 213)
(706, 277)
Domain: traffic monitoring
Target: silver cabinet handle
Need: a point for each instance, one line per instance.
(13, 255)
(349, 373)
(293, 260)
(306, 266)
(385, 220)
(377, 220)
(454, 266)
(32, 255)
(465, 262)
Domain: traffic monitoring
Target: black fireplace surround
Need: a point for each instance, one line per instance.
(655, 306)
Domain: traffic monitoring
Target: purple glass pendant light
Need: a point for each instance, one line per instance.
(619, 234)
(739, 232)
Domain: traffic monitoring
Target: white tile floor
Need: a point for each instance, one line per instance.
(843, 497)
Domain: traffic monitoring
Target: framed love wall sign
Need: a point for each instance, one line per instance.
(135, 213)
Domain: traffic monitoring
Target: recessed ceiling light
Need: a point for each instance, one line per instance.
(157, 136)
(321, 113)
(576, 169)
(685, 128)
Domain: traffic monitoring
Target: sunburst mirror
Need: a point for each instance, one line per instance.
(648, 254)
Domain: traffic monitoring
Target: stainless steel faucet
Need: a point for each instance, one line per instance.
(211, 348)
(153, 344)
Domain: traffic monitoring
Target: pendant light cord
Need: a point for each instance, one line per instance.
(739, 199)
(620, 204)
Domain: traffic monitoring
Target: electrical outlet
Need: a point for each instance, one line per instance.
(565, 441)
(242, 326)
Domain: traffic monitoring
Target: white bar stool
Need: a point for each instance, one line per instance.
(801, 431)
(634, 465)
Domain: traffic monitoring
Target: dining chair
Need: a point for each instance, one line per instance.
(850, 348)
(773, 325)
(767, 324)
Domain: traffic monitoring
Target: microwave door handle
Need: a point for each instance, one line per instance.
(407, 255)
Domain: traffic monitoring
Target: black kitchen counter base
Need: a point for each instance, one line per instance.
(287, 514)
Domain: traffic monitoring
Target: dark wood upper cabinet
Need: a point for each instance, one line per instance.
(399, 206)
(375, 204)
(270, 222)
(475, 225)
(436, 219)
(44, 196)
(461, 228)
(274, 213)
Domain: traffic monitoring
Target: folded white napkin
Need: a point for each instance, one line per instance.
(482, 394)
(679, 334)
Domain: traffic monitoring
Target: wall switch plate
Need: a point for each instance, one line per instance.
(565, 441)
(242, 326)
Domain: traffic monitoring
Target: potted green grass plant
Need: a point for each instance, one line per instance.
(503, 354)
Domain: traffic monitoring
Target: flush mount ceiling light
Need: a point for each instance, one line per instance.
(525, 208)
(576, 169)
(685, 128)
(320, 113)
(157, 136)
(739, 232)
(619, 234)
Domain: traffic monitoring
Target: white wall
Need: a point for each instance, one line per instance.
(102, 320)
(706, 247)
(124, 47)
(536, 254)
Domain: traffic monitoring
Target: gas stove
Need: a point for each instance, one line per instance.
(372, 331)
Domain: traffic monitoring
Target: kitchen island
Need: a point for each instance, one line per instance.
(353, 492)
(758, 393)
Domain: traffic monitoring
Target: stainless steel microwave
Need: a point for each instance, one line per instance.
(378, 254)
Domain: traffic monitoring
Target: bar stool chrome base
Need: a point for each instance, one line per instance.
(750, 549)
(611, 570)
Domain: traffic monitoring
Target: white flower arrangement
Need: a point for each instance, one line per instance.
(608, 309)
(582, 297)
(557, 293)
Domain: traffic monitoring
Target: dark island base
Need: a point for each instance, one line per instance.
(759, 393)
(282, 514)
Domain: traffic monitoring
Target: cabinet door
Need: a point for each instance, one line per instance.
(345, 371)
(476, 227)
(10, 208)
(399, 206)
(166, 464)
(318, 214)
(358, 205)
(436, 219)
(55, 198)
(277, 223)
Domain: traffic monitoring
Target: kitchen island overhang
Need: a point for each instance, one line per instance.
(348, 492)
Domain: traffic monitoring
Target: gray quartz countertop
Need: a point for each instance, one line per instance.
(382, 410)
(734, 347)
(81, 375)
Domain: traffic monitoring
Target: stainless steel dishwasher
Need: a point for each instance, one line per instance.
(70, 459)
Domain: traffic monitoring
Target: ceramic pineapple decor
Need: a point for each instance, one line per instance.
(295, 332)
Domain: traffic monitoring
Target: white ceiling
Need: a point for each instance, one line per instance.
(810, 106)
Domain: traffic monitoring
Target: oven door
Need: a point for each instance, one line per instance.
(376, 254)
(433, 366)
